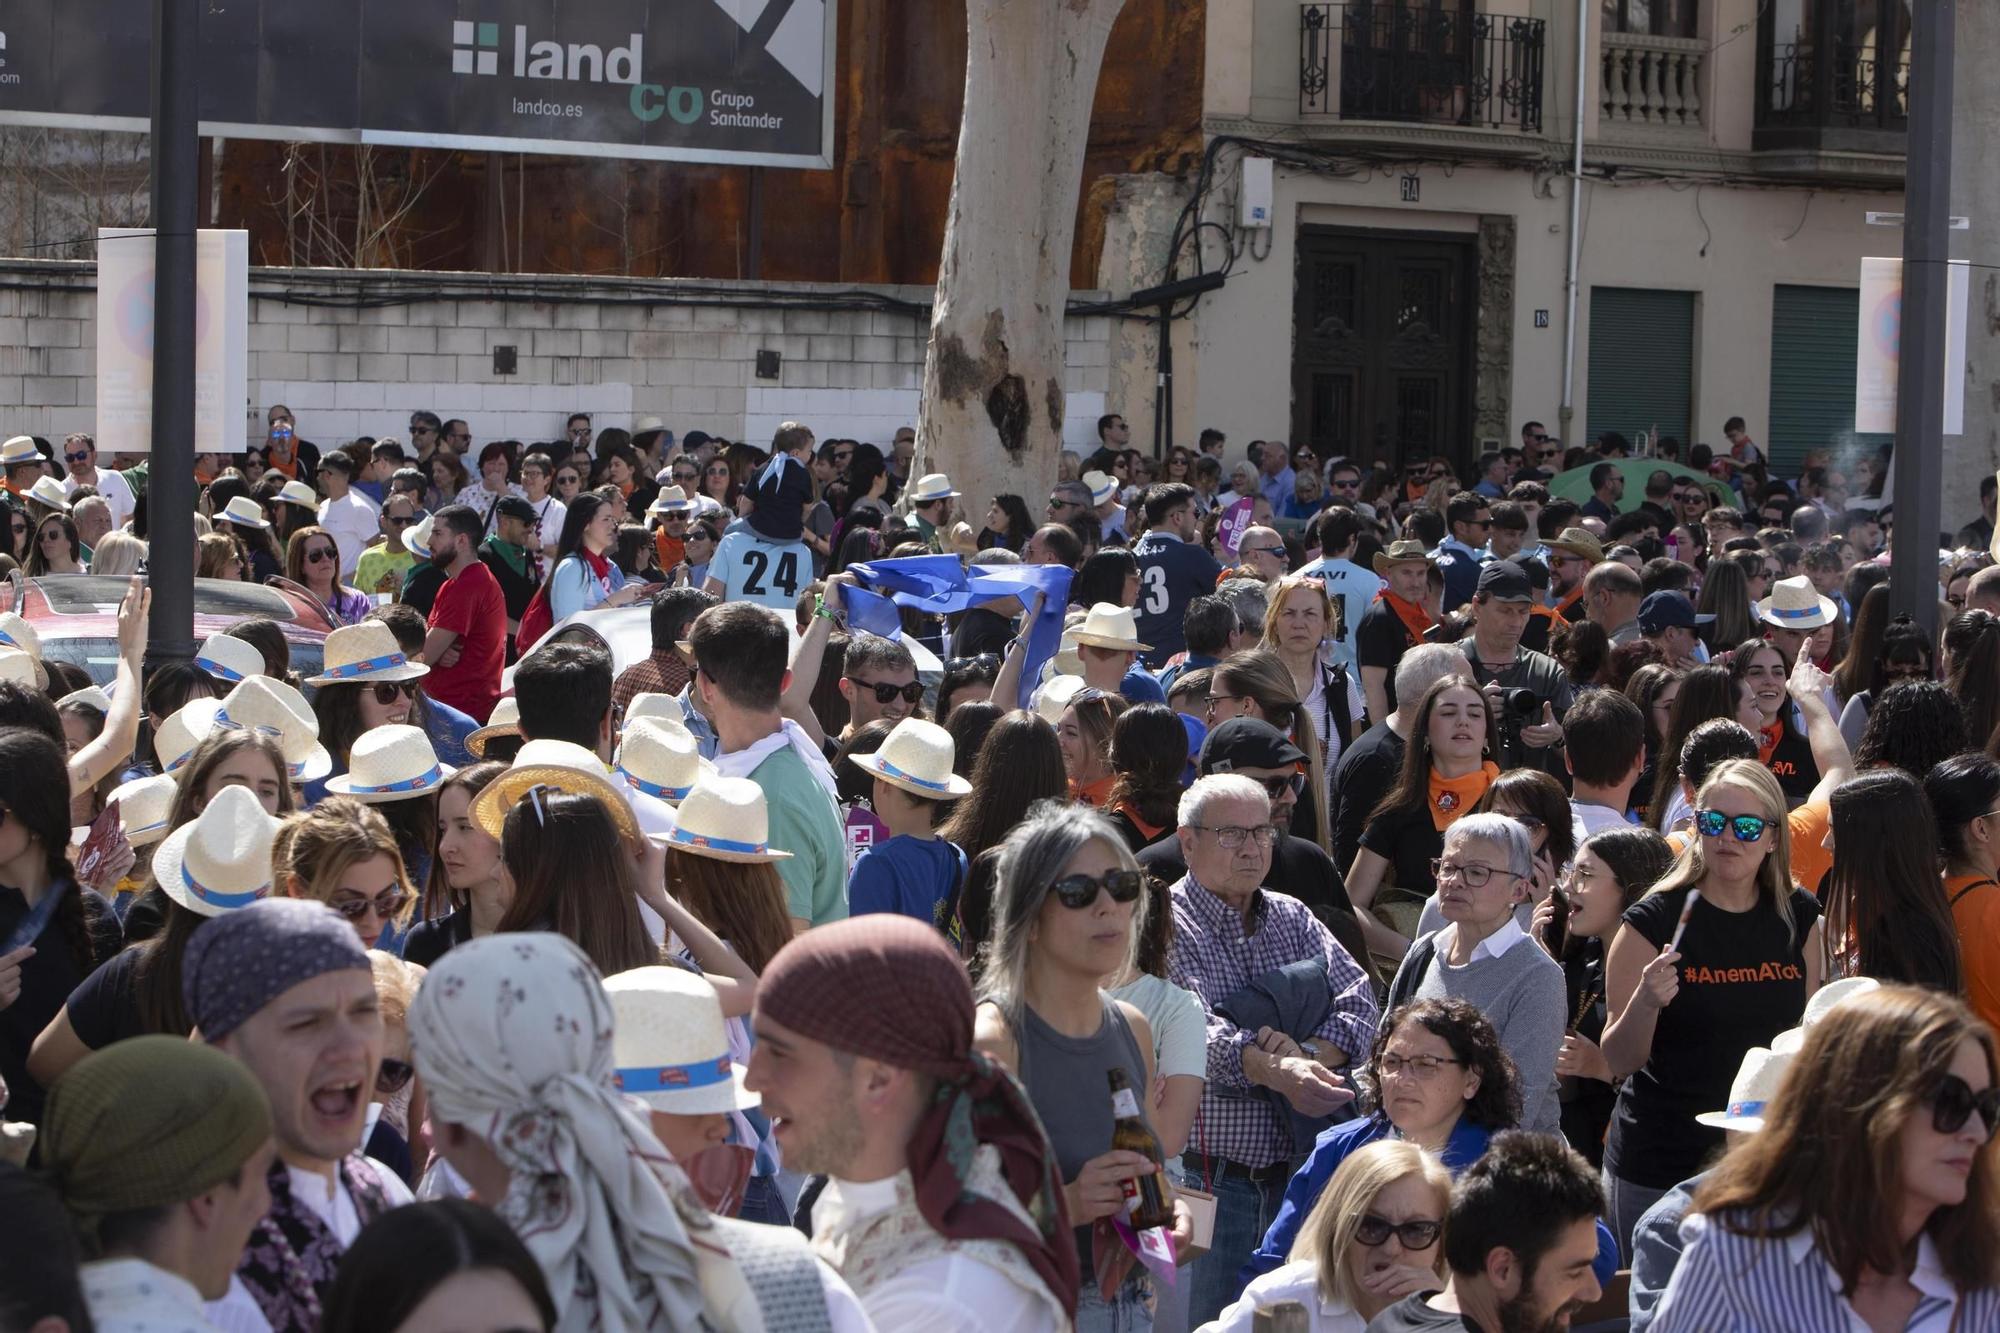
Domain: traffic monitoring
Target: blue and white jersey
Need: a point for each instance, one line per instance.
(1354, 588)
(768, 573)
(1172, 573)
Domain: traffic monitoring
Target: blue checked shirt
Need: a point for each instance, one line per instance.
(1214, 956)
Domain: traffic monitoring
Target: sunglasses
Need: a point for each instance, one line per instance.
(52, 534)
(568, 479)
(83, 457)
(1372, 1230)
(1954, 1102)
(978, 663)
(886, 692)
(387, 690)
(386, 903)
(1746, 828)
(1276, 788)
(394, 1076)
(1077, 892)
(319, 555)
(395, 522)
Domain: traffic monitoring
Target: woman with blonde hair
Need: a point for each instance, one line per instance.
(343, 854)
(1258, 684)
(1300, 620)
(1871, 1196)
(118, 553)
(1727, 921)
(1372, 1239)
(217, 556)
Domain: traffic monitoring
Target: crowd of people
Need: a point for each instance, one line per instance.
(1254, 885)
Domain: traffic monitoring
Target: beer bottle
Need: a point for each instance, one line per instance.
(1146, 1196)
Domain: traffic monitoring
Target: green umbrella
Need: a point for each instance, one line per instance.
(1575, 483)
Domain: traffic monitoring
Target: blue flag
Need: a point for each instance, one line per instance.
(939, 585)
(873, 612)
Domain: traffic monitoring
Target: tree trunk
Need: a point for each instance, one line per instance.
(993, 402)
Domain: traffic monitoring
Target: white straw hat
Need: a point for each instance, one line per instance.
(671, 1045)
(20, 449)
(931, 487)
(559, 766)
(366, 651)
(726, 819)
(671, 500)
(48, 491)
(1835, 993)
(417, 537)
(505, 720)
(1102, 488)
(90, 696)
(271, 706)
(391, 763)
(298, 493)
(1795, 604)
(1108, 625)
(17, 631)
(246, 511)
(229, 658)
(220, 860)
(22, 669)
(660, 758)
(917, 756)
(1756, 1082)
(1053, 696)
(143, 805)
(652, 703)
(176, 738)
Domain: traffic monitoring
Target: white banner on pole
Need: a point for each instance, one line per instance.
(125, 339)
(1878, 346)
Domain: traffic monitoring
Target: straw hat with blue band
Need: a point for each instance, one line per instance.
(917, 757)
(366, 651)
(653, 704)
(48, 493)
(1795, 604)
(504, 721)
(1756, 1083)
(553, 766)
(228, 658)
(725, 819)
(671, 1045)
(245, 512)
(417, 537)
(391, 763)
(276, 709)
(90, 696)
(220, 860)
(17, 631)
(20, 449)
(297, 493)
(175, 739)
(660, 758)
(143, 806)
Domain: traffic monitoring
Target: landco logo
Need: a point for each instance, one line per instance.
(476, 50)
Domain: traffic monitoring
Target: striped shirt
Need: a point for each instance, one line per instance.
(1215, 956)
(1728, 1282)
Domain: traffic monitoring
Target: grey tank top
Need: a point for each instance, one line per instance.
(1065, 1078)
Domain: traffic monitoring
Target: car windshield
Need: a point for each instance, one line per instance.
(99, 656)
(83, 595)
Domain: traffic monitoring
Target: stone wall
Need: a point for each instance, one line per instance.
(352, 353)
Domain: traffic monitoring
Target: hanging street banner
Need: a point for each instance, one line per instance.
(728, 81)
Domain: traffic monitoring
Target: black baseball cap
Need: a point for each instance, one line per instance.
(1246, 742)
(1669, 609)
(513, 506)
(1505, 581)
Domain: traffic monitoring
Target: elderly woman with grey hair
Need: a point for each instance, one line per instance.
(1482, 956)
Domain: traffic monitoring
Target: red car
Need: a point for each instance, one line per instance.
(76, 616)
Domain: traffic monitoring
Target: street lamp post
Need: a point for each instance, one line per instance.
(170, 488)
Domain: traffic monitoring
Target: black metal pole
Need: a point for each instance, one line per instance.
(1919, 462)
(170, 488)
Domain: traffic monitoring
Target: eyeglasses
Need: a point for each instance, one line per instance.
(1231, 837)
(1278, 788)
(1077, 892)
(568, 479)
(981, 662)
(1954, 1102)
(387, 690)
(83, 457)
(886, 691)
(1472, 874)
(1372, 1230)
(394, 1075)
(385, 904)
(1420, 1067)
(1746, 828)
(423, 430)
(1057, 502)
(319, 555)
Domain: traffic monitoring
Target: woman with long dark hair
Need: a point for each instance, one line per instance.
(1149, 755)
(1782, 743)
(1964, 793)
(69, 931)
(1971, 665)
(375, 686)
(582, 575)
(1008, 524)
(427, 1256)
(1887, 916)
(1109, 576)
(1085, 736)
(1445, 773)
(567, 859)
(1707, 692)
(312, 560)
(1871, 1196)
(1902, 652)
(468, 891)
(1870, 624)
(1725, 594)
(1020, 763)
(57, 549)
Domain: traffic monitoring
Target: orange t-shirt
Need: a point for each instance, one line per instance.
(1976, 913)
(1810, 860)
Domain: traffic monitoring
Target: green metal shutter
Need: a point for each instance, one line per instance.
(1641, 372)
(1813, 334)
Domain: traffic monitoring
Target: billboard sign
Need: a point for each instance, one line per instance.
(735, 81)
(125, 340)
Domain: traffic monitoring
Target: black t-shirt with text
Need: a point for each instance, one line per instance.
(1742, 982)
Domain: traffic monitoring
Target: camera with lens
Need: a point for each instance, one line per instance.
(1519, 702)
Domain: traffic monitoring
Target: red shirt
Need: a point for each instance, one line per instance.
(471, 606)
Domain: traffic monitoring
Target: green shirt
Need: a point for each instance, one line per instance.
(378, 561)
(805, 822)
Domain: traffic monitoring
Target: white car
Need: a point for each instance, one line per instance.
(626, 632)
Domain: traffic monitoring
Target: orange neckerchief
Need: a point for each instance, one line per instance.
(1131, 812)
(671, 550)
(1094, 794)
(1453, 797)
(1569, 599)
(1768, 738)
(1415, 619)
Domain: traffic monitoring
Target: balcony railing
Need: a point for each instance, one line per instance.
(1839, 85)
(1382, 61)
(1651, 83)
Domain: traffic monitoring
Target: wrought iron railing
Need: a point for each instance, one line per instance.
(1838, 85)
(1389, 61)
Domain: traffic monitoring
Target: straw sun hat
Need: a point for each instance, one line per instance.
(917, 758)
(670, 1045)
(220, 860)
(1108, 625)
(275, 708)
(660, 758)
(365, 651)
(229, 658)
(391, 763)
(505, 720)
(725, 819)
(553, 766)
